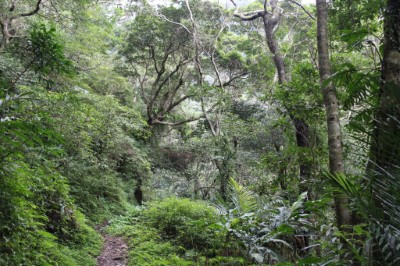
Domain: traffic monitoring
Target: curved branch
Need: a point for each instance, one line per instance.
(174, 22)
(248, 16)
(238, 76)
(173, 72)
(33, 12)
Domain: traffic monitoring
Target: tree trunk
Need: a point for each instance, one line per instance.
(303, 142)
(385, 146)
(225, 165)
(138, 191)
(269, 24)
(332, 113)
(301, 127)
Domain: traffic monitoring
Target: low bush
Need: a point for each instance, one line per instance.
(186, 222)
(175, 231)
(146, 245)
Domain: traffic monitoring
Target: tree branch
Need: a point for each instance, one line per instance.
(248, 16)
(178, 66)
(196, 44)
(141, 82)
(207, 118)
(173, 105)
(227, 83)
(174, 22)
(302, 7)
(168, 52)
(33, 12)
(161, 85)
(153, 56)
(156, 121)
(171, 95)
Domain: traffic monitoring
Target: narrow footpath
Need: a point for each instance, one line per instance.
(114, 253)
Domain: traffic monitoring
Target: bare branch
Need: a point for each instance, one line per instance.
(141, 82)
(153, 56)
(372, 44)
(171, 95)
(173, 105)
(156, 121)
(248, 16)
(240, 75)
(196, 43)
(273, 3)
(33, 12)
(302, 7)
(161, 85)
(178, 66)
(216, 71)
(174, 22)
(207, 118)
(167, 53)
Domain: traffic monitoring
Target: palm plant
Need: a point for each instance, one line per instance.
(265, 227)
(383, 219)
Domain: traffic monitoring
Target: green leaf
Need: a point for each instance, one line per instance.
(353, 37)
(284, 229)
(309, 261)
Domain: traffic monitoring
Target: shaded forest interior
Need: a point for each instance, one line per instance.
(199, 132)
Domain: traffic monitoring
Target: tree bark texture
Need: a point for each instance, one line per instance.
(332, 112)
(385, 148)
(383, 168)
(269, 25)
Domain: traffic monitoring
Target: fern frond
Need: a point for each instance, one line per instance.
(242, 198)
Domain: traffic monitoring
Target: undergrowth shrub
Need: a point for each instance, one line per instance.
(99, 195)
(174, 231)
(39, 224)
(186, 222)
(147, 248)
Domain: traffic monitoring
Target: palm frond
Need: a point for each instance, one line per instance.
(342, 182)
(242, 198)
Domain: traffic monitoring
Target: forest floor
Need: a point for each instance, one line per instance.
(114, 252)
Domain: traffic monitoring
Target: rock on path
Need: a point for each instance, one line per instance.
(114, 253)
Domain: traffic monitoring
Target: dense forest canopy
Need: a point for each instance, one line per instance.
(201, 132)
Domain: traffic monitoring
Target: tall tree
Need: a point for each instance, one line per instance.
(271, 15)
(158, 54)
(332, 112)
(385, 148)
(385, 145)
(225, 71)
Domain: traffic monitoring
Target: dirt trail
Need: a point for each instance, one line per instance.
(114, 253)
